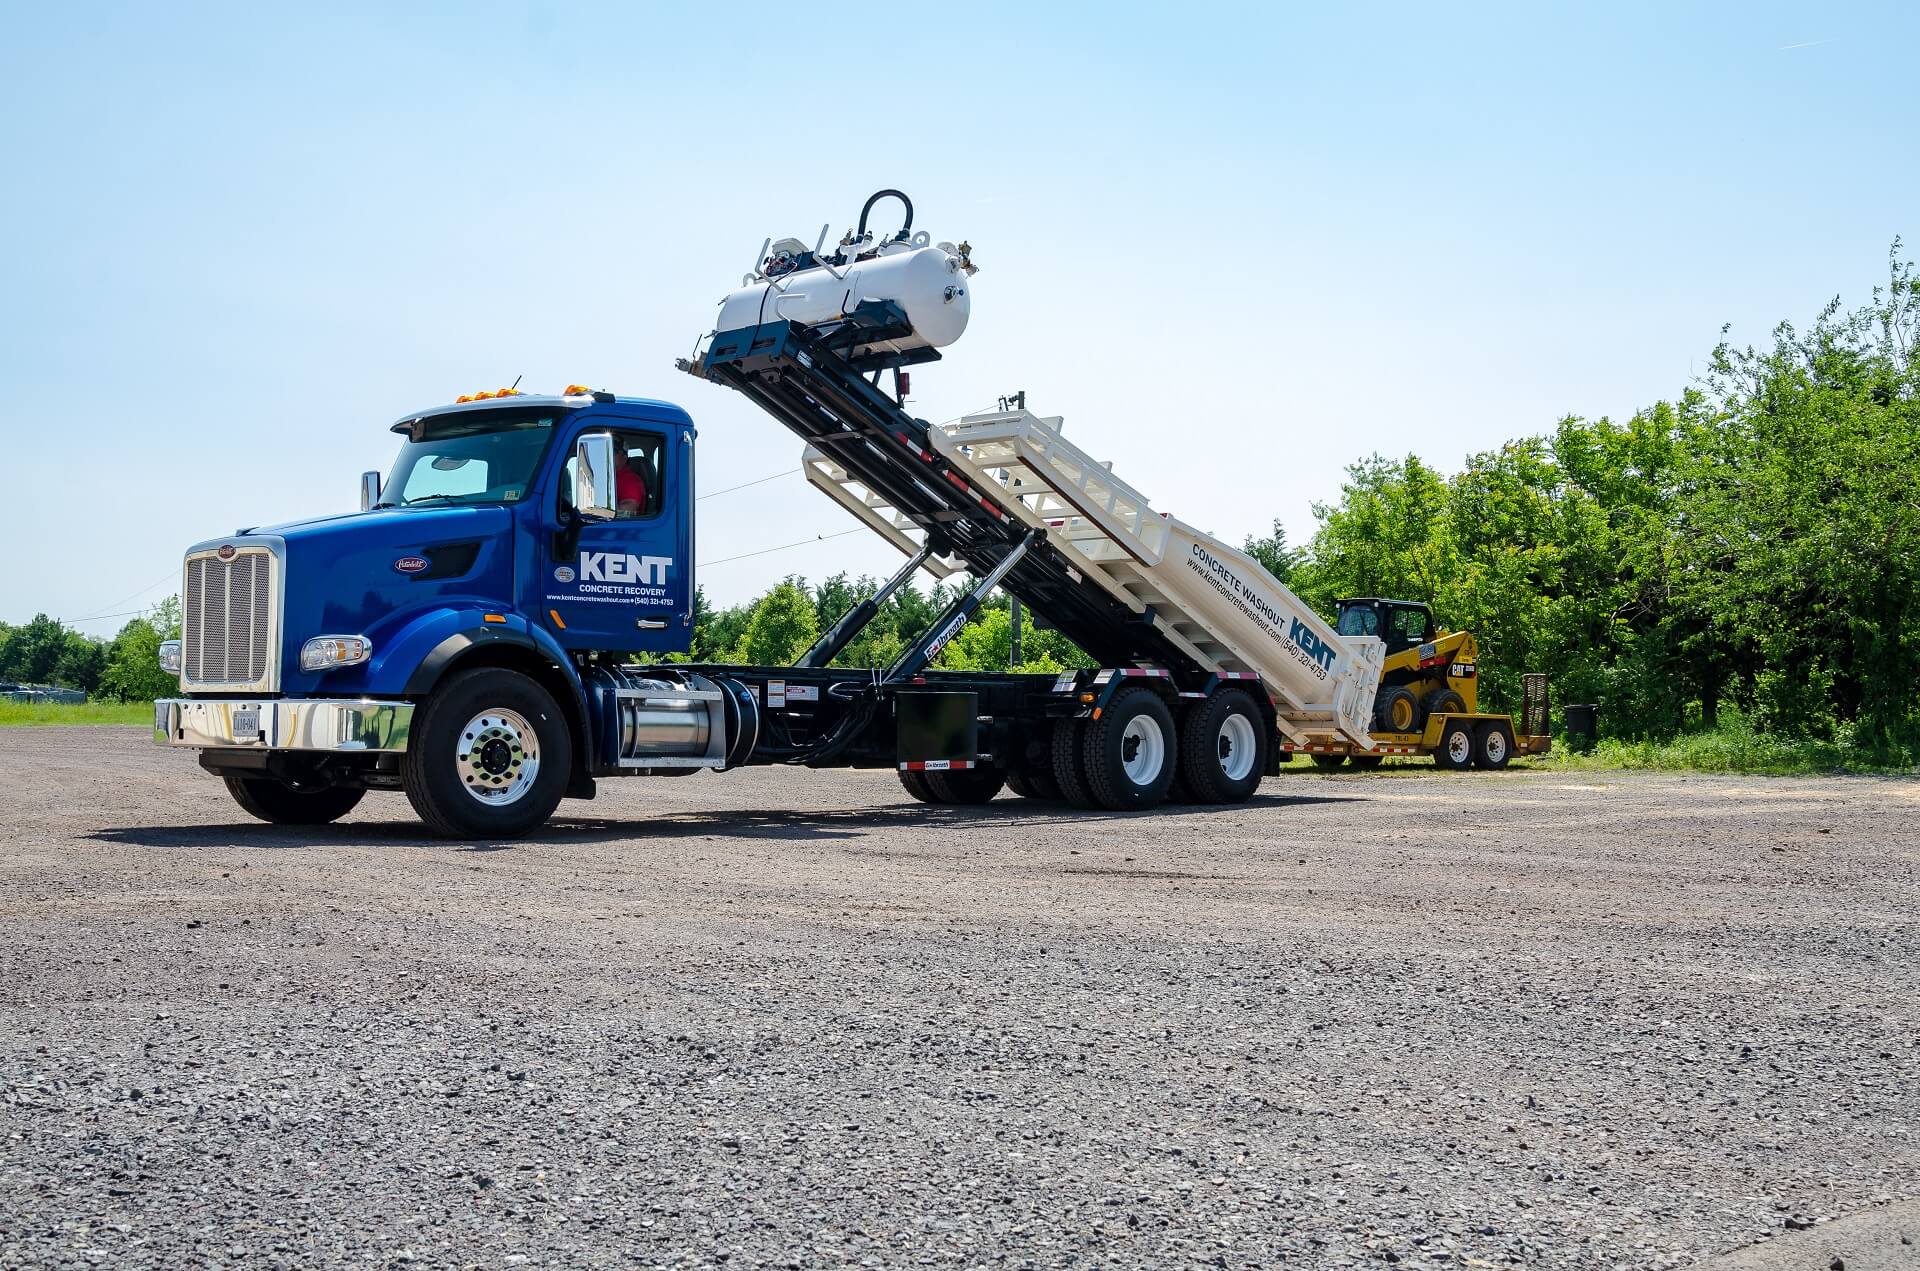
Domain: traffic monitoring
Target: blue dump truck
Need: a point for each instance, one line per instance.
(488, 633)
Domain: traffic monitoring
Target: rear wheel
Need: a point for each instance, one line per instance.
(275, 801)
(915, 784)
(1329, 761)
(966, 785)
(1444, 701)
(488, 757)
(1223, 749)
(1455, 753)
(1396, 711)
(1130, 751)
(1035, 783)
(1069, 767)
(1493, 747)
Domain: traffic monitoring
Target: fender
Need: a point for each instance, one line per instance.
(437, 640)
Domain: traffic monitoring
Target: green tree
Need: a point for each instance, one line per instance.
(133, 671)
(782, 627)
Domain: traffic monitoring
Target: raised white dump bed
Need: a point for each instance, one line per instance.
(1211, 599)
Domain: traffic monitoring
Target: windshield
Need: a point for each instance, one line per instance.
(486, 456)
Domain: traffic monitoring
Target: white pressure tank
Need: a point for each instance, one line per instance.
(931, 281)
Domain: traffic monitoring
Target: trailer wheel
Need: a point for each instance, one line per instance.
(1131, 751)
(1223, 749)
(1493, 747)
(1069, 763)
(489, 756)
(1396, 711)
(967, 785)
(916, 784)
(274, 801)
(1329, 761)
(1455, 752)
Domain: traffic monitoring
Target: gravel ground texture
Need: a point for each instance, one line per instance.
(793, 1019)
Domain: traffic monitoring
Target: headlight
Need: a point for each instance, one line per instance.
(170, 656)
(324, 653)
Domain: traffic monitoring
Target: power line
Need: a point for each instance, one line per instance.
(170, 576)
(744, 484)
(817, 538)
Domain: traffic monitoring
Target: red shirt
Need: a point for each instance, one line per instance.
(629, 488)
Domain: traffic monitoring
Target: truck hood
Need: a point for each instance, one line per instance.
(393, 524)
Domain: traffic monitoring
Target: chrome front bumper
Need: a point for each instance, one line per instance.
(282, 723)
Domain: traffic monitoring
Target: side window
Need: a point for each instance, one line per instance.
(1410, 625)
(638, 477)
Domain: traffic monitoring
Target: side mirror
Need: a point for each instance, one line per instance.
(593, 495)
(369, 490)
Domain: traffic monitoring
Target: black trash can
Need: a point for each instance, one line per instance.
(1583, 726)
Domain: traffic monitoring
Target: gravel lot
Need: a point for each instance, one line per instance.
(785, 1018)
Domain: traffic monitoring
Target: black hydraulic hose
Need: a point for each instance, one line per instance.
(883, 194)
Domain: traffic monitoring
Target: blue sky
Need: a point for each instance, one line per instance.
(1238, 248)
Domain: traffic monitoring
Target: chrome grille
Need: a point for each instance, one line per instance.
(228, 620)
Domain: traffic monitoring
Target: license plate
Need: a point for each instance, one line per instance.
(246, 723)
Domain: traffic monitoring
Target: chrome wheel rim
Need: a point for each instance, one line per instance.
(1236, 747)
(497, 757)
(1143, 750)
(1459, 746)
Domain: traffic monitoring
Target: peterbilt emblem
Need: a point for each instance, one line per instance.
(412, 564)
(226, 551)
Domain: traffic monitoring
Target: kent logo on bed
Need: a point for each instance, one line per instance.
(1312, 645)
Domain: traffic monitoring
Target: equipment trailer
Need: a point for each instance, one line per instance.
(1428, 700)
(467, 637)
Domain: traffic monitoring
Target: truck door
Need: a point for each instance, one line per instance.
(626, 585)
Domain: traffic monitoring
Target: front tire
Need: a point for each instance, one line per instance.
(1131, 752)
(489, 756)
(1223, 749)
(278, 803)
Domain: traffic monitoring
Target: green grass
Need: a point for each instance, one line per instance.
(24, 714)
(1727, 750)
(1732, 747)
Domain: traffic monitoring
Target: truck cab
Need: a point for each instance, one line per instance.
(512, 531)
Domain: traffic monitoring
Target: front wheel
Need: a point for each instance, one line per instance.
(278, 803)
(489, 756)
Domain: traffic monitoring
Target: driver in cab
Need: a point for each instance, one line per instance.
(629, 487)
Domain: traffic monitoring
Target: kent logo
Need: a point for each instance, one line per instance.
(618, 567)
(1311, 645)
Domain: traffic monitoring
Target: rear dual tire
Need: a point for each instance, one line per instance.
(960, 786)
(1223, 748)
